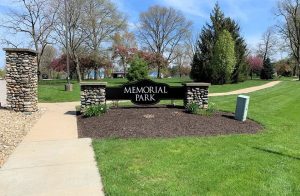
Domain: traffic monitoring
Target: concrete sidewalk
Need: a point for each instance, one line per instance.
(51, 160)
(246, 90)
(3, 93)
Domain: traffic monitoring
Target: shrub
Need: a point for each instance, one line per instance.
(95, 110)
(284, 69)
(138, 70)
(212, 108)
(192, 108)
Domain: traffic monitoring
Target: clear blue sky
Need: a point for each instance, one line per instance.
(254, 16)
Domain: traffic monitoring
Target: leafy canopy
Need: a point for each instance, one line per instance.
(138, 69)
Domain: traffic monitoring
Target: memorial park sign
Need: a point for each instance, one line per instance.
(144, 92)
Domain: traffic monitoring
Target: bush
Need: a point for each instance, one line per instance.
(284, 70)
(95, 110)
(267, 71)
(193, 108)
(138, 70)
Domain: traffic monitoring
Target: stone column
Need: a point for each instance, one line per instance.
(196, 93)
(92, 94)
(21, 79)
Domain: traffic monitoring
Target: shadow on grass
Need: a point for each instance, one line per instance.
(276, 153)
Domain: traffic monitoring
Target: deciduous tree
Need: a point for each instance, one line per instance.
(75, 27)
(35, 21)
(289, 26)
(161, 29)
(268, 44)
(103, 20)
(255, 64)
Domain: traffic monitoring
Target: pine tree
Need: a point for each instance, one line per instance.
(201, 65)
(224, 59)
(267, 71)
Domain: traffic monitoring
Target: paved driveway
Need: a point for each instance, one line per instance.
(2, 92)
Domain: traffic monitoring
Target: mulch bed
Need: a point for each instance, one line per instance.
(161, 122)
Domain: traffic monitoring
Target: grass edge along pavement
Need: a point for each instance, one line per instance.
(262, 164)
(53, 91)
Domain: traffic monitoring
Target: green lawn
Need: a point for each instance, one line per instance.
(53, 91)
(267, 163)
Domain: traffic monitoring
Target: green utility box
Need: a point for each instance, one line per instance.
(241, 109)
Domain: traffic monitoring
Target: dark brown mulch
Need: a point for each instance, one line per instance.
(160, 122)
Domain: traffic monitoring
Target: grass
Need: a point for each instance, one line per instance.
(53, 90)
(267, 163)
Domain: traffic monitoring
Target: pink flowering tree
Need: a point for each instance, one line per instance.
(255, 64)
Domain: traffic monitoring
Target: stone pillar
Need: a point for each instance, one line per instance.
(196, 93)
(92, 94)
(21, 79)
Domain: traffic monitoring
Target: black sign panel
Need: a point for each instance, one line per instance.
(144, 92)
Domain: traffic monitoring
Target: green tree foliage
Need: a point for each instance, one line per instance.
(138, 69)
(202, 61)
(267, 71)
(223, 60)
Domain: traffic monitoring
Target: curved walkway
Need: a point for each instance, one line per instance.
(246, 90)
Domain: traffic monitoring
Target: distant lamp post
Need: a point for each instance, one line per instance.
(68, 86)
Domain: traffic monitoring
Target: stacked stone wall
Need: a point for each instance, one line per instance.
(92, 94)
(197, 93)
(21, 79)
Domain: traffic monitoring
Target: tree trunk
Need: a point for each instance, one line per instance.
(77, 67)
(299, 72)
(158, 72)
(95, 74)
(124, 67)
(38, 61)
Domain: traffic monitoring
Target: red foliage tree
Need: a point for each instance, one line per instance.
(255, 64)
(87, 63)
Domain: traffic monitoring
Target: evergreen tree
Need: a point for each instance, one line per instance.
(138, 69)
(267, 71)
(223, 60)
(201, 65)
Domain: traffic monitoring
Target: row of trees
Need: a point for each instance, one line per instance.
(222, 57)
(95, 29)
(94, 32)
(282, 37)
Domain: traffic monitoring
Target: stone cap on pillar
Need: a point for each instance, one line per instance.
(20, 50)
(196, 84)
